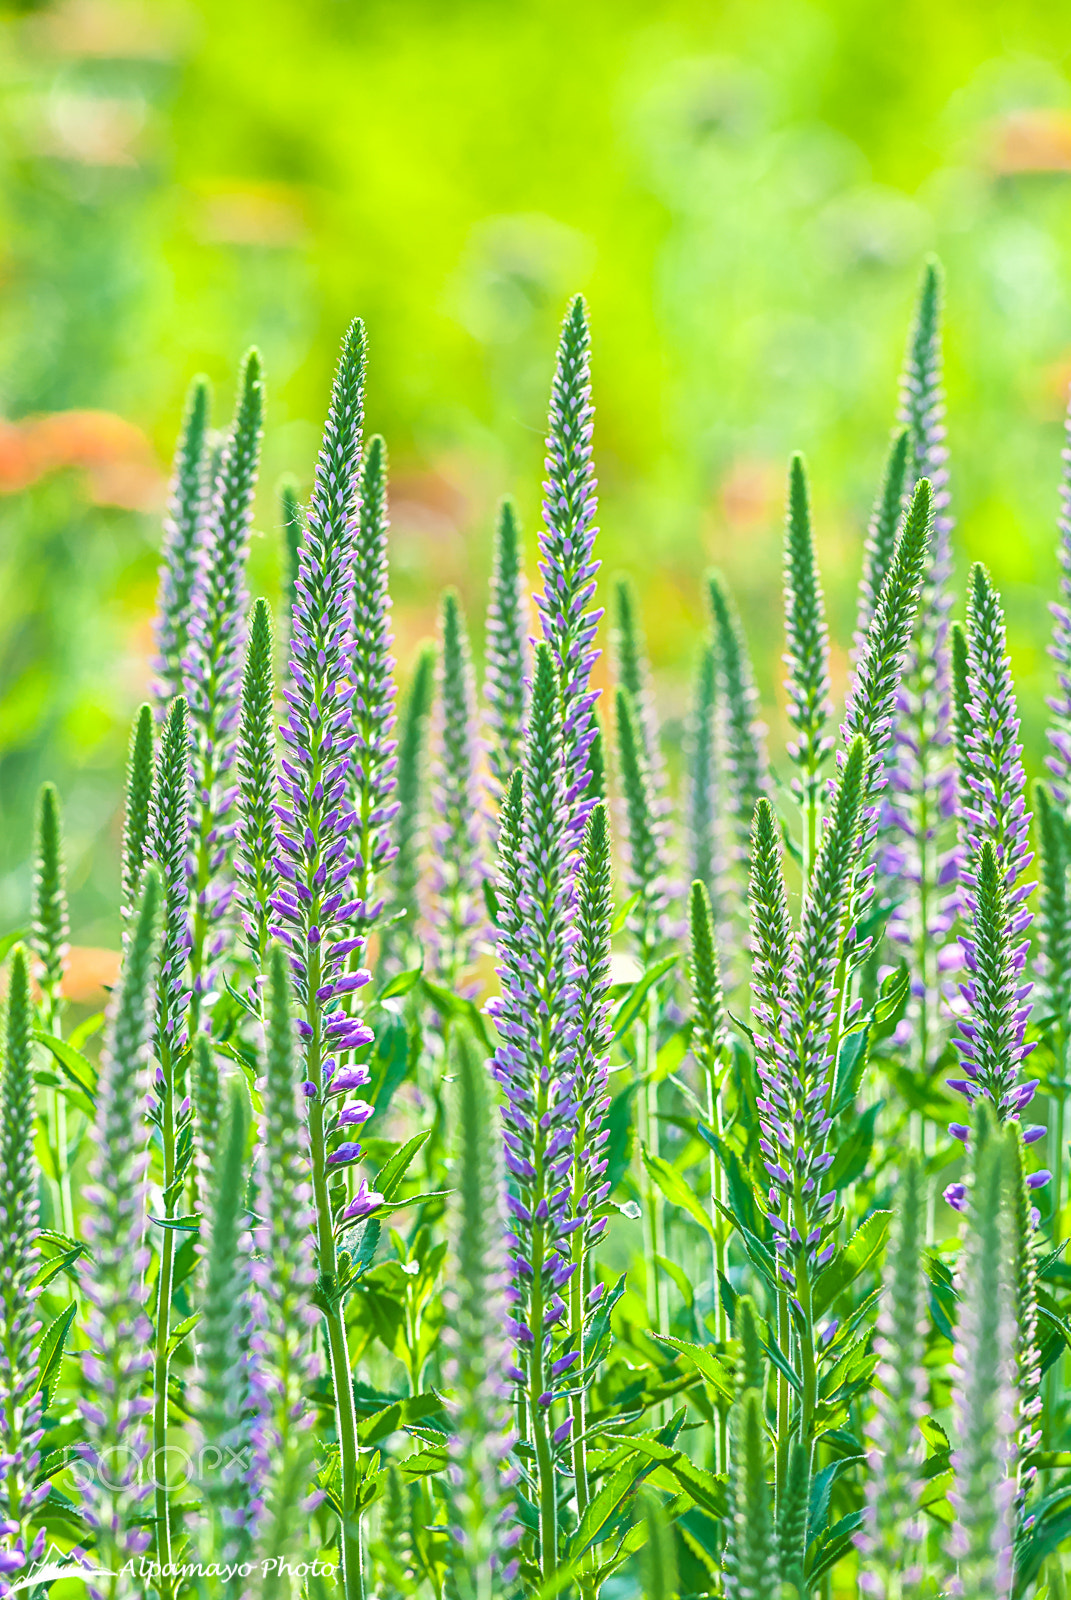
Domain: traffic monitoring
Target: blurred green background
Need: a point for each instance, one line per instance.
(744, 191)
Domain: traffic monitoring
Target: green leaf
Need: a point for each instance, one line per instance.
(389, 1064)
(864, 1245)
(741, 1194)
(851, 1064)
(853, 1152)
(607, 1502)
(677, 1190)
(191, 1223)
(73, 1064)
(9, 941)
(632, 1004)
(56, 1264)
(50, 1352)
(393, 1418)
(623, 913)
(401, 983)
(710, 1366)
(459, 1008)
(182, 1332)
(894, 991)
(391, 1175)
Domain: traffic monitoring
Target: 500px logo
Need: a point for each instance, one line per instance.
(121, 1467)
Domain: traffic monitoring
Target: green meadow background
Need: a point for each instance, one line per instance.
(744, 191)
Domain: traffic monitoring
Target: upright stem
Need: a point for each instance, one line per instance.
(332, 1303)
(161, 1356)
(784, 1397)
(721, 1320)
(653, 1214)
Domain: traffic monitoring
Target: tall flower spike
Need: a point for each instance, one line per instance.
(646, 861)
(872, 696)
(184, 533)
(567, 546)
(591, 976)
(709, 1041)
(751, 1568)
(284, 1276)
(891, 1528)
(20, 1397)
(1059, 734)
(137, 816)
(995, 824)
(118, 1333)
(885, 520)
(702, 774)
(213, 680)
(254, 862)
(658, 1556)
(1055, 914)
(206, 1108)
(535, 1063)
(994, 808)
(375, 761)
(771, 935)
(983, 1395)
(807, 657)
(293, 533)
(992, 1026)
(230, 1480)
(1054, 922)
(506, 654)
(399, 934)
(50, 924)
(482, 1434)
(874, 693)
(168, 845)
(49, 928)
(319, 917)
(169, 1106)
(795, 1112)
(1021, 1220)
(746, 774)
(744, 771)
(920, 859)
(455, 894)
(634, 676)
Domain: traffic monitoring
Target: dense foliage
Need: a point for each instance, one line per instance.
(455, 1226)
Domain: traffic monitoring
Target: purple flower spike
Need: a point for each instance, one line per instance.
(537, 1017)
(213, 675)
(455, 905)
(994, 1008)
(119, 1335)
(568, 565)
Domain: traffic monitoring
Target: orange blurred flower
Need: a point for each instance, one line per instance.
(116, 456)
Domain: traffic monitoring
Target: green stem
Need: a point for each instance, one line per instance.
(784, 1398)
(654, 1232)
(161, 1355)
(548, 1512)
(331, 1303)
(718, 1245)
